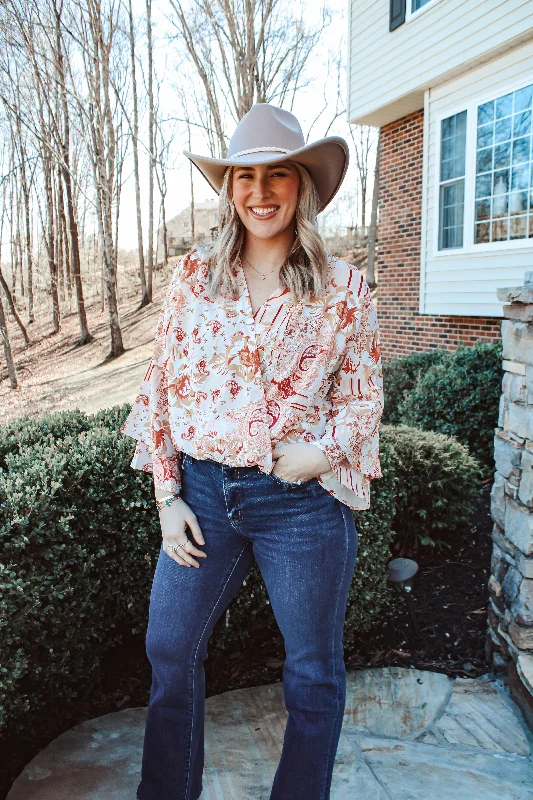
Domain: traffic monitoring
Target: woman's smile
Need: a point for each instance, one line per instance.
(263, 212)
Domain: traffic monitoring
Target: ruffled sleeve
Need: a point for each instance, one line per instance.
(148, 421)
(351, 438)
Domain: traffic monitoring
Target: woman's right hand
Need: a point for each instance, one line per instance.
(174, 519)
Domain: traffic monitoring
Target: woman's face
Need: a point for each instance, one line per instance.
(266, 197)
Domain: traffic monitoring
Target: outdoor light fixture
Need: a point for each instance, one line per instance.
(401, 572)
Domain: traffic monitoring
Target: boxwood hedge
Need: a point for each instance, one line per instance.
(80, 538)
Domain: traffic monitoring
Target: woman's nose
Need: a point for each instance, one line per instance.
(261, 188)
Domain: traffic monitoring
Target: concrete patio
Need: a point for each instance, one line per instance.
(407, 735)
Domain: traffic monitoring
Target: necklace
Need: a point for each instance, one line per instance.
(260, 273)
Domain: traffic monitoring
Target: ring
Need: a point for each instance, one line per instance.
(175, 547)
(299, 481)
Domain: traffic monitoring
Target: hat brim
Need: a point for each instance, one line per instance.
(327, 161)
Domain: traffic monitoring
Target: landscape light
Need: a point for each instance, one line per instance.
(401, 572)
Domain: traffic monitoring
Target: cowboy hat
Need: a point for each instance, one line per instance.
(268, 134)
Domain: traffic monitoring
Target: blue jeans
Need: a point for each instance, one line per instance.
(305, 543)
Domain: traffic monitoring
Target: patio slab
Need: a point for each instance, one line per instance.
(407, 735)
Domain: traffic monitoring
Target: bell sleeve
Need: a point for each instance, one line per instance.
(351, 437)
(148, 421)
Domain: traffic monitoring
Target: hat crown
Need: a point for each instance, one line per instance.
(266, 126)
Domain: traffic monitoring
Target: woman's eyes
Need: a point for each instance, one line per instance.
(280, 174)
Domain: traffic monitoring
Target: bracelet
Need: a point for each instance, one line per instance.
(166, 501)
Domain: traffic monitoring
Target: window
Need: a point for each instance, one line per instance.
(452, 181)
(504, 169)
(417, 4)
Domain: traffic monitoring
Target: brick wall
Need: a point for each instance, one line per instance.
(403, 330)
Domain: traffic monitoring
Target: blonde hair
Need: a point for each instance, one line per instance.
(304, 269)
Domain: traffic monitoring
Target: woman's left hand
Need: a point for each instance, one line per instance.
(299, 461)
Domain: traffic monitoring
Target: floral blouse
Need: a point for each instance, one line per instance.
(229, 385)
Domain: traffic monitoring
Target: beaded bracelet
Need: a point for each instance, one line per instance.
(166, 501)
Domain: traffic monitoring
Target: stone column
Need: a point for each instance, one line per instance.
(509, 645)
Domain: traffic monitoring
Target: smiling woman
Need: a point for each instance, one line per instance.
(258, 417)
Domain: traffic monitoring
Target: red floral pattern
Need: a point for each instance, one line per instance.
(229, 385)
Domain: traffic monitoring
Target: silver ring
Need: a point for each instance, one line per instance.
(175, 547)
(299, 481)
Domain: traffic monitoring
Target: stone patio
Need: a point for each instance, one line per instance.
(407, 735)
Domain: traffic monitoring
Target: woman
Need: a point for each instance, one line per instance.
(258, 417)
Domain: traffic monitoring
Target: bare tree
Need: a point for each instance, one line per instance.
(4, 333)
(96, 29)
(372, 233)
(363, 140)
(244, 52)
(145, 299)
(64, 145)
(3, 283)
(162, 144)
(151, 148)
(38, 33)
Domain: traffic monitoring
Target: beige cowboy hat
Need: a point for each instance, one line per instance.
(267, 134)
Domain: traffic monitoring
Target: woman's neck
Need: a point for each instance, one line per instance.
(268, 253)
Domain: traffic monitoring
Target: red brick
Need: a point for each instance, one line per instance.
(403, 330)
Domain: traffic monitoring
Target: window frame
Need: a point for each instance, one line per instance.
(409, 14)
(450, 182)
(471, 108)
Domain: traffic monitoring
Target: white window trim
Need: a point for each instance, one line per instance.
(471, 107)
(410, 15)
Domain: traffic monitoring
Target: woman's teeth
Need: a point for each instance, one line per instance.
(263, 211)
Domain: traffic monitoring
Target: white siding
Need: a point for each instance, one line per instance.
(466, 283)
(389, 71)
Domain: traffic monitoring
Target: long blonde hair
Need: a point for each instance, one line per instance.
(304, 269)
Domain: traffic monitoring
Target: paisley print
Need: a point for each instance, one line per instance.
(227, 384)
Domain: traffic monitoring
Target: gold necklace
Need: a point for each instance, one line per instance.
(260, 273)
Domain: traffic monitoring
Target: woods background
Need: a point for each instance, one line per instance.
(98, 99)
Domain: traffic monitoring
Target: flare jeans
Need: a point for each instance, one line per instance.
(305, 543)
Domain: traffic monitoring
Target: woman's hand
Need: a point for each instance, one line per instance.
(299, 461)
(174, 519)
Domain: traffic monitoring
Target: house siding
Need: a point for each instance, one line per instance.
(403, 328)
(391, 70)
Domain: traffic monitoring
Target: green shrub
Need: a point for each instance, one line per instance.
(460, 397)
(80, 539)
(437, 486)
(399, 378)
(56, 425)
(78, 545)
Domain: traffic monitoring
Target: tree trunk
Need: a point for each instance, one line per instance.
(27, 217)
(50, 240)
(145, 298)
(150, 150)
(3, 282)
(372, 233)
(75, 266)
(7, 348)
(193, 232)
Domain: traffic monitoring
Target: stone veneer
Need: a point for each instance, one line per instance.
(510, 615)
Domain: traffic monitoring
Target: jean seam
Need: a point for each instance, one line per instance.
(194, 664)
(328, 760)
